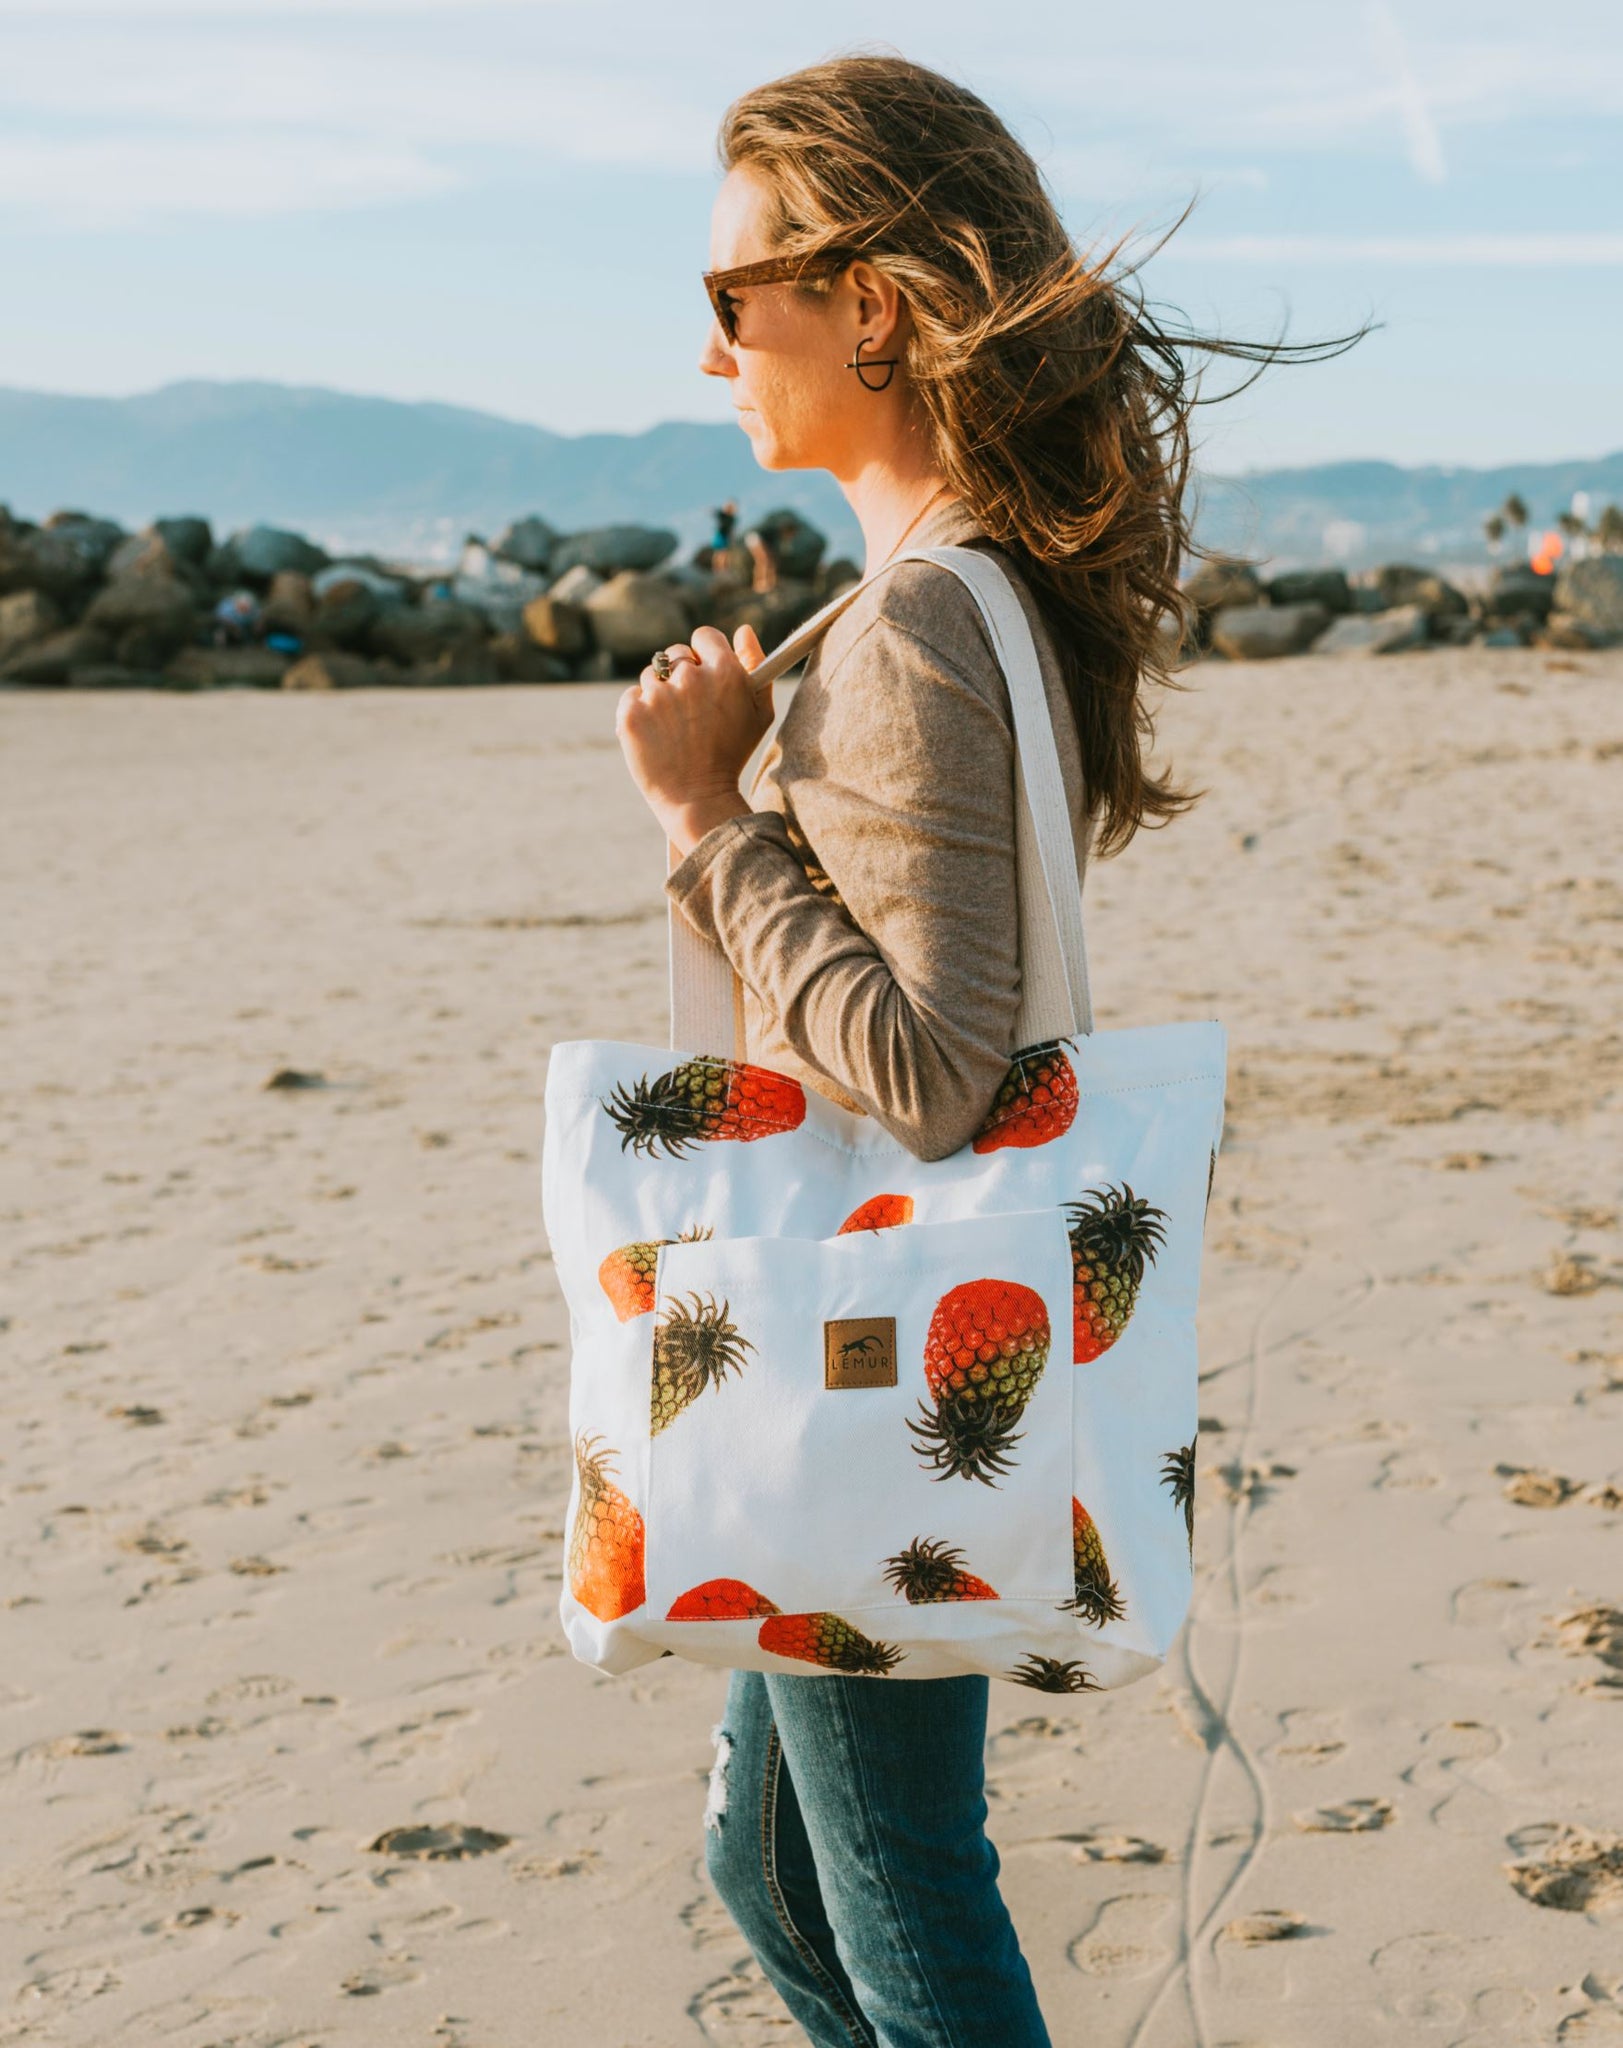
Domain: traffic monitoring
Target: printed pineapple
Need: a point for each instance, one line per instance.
(627, 1274)
(721, 1600)
(695, 1346)
(606, 1543)
(827, 1640)
(879, 1212)
(984, 1353)
(1096, 1598)
(1036, 1102)
(701, 1102)
(1049, 1674)
(929, 1570)
(1113, 1236)
(1178, 1472)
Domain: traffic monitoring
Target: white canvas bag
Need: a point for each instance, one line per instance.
(836, 1408)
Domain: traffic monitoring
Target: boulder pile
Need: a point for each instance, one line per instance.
(1245, 617)
(86, 605)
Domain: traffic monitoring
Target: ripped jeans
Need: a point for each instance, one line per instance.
(845, 1835)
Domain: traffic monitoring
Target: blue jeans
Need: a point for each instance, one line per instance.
(849, 1847)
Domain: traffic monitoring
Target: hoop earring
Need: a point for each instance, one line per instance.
(885, 363)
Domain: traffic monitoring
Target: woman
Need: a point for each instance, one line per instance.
(897, 302)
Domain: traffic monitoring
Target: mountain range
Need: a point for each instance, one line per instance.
(412, 480)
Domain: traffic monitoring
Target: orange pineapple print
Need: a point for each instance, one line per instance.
(702, 1101)
(879, 1212)
(828, 1640)
(720, 1600)
(606, 1543)
(1036, 1103)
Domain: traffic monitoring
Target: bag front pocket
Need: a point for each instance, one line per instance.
(876, 1421)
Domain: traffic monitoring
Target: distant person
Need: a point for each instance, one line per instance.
(763, 562)
(969, 381)
(726, 518)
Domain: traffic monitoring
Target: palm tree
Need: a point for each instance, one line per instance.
(1494, 527)
(1609, 527)
(1514, 510)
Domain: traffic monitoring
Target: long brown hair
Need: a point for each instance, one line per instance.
(1060, 408)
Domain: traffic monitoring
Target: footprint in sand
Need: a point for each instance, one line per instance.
(1484, 1603)
(1350, 1817)
(1567, 1868)
(1308, 1735)
(1124, 1939)
(1452, 1755)
(742, 2010)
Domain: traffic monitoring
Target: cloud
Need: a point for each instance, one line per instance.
(115, 181)
(1425, 144)
(1534, 250)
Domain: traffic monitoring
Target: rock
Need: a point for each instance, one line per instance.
(142, 554)
(290, 605)
(1518, 591)
(600, 667)
(518, 659)
(26, 616)
(498, 589)
(1590, 594)
(528, 543)
(1261, 632)
(148, 646)
(468, 666)
(576, 585)
(418, 634)
(1218, 585)
(1398, 585)
(773, 613)
(261, 552)
(346, 611)
(32, 558)
(187, 537)
(93, 540)
(558, 626)
(634, 613)
(227, 668)
(835, 576)
(156, 608)
(329, 672)
(386, 588)
(1455, 632)
(797, 547)
(1503, 636)
(609, 550)
(1328, 587)
(47, 665)
(1386, 632)
(106, 675)
(1564, 631)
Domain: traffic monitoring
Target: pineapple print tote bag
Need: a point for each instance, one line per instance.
(835, 1408)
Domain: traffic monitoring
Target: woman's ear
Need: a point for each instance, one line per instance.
(878, 303)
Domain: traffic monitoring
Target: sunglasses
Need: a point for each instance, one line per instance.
(775, 270)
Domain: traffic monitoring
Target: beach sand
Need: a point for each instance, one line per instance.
(285, 1453)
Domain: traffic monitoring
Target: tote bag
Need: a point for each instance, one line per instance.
(838, 1409)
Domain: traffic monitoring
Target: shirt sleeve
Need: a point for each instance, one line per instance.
(897, 977)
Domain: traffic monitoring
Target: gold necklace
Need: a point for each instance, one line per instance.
(914, 521)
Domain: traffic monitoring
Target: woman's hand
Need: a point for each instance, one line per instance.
(686, 739)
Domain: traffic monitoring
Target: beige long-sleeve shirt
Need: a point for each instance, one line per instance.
(868, 903)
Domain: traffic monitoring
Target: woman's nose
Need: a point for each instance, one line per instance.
(715, 358)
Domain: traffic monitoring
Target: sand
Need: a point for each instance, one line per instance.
(284, 1451)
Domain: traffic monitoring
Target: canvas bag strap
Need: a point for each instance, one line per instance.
(706, 996)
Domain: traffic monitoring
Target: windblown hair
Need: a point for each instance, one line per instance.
(1059, 407)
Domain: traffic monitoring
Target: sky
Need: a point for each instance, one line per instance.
(505, 203)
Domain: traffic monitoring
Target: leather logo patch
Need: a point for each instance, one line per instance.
(860, 1352)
